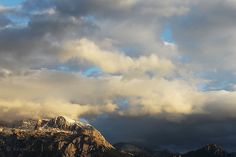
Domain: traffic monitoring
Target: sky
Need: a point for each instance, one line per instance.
(160, 74)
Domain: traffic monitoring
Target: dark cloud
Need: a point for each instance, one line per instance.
(205, 35)
(4, 22)
(38, 43)
(156, 133)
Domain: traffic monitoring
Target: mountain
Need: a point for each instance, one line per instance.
(64, 137)
(137, 151)
(57, 137)
(132, 149)
(210, 150)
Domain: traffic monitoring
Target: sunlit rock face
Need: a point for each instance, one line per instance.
(57, 137)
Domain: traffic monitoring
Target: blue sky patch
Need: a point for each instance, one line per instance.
(167, 34)
(122, 102)
(89, 18)
(93, 71)
(18, 20)
(10, 3)
(63, 68)
(219, 80)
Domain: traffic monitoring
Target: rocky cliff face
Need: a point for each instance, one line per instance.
(57, 137)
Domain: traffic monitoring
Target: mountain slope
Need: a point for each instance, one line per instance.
(57, 137)
(210, 150)
(132, 149)
(137, 151)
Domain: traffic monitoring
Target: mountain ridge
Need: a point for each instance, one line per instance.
(209, 150)
(64, 137)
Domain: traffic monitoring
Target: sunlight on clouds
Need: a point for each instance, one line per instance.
(46, 92)
(155, 96)
(18, 109)
(115, 61)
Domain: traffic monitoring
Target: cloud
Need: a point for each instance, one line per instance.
(22, 109)
(114, 61)
(143, 95)
(4, 9)
(208, 41)
(158, 133)
(43, 96)
(37, 44)
(123, 8)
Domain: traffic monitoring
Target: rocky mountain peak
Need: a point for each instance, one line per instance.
(59, 122)
(59, 137)
(63, 123)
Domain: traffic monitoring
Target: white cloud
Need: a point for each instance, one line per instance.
(115, 61)
(15, 109)
(48, 11)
